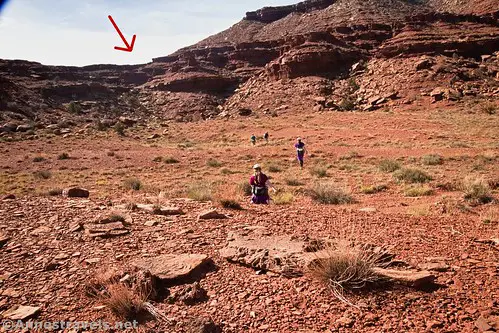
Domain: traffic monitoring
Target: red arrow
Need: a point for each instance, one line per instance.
(129, 47)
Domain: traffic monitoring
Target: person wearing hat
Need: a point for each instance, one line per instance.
(260, 185)
(300, 151)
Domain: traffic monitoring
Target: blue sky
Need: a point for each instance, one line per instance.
(72, 32)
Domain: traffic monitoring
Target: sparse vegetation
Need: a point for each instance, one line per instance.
(42, 174)
(283, 198)
(432, 159)
(230, 204)
(245, 187)
(119, 128)
(319, 171)
(55, 192)
(171, 160)
(372, 189)
(157, 159)
(213, 163)
(38, 159)
(476, 190)
(347, 104)
(351, 155)
(274, 168)
(200, 192)
(418, 191)
(74, 108)
(329, 193)
(389, 166)
(226, 171)
(294, 182)
(132, 184)
(352, 84)
(345, 266)
(409, 175)
(489, 108)
(63, 156)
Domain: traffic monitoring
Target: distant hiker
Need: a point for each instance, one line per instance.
(266, 137)
(260, 185)
(253, 139)
(300, 151)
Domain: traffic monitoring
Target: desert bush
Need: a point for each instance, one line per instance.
(489, 108)
(171, 160)
(418, 191)
(409, 175)
(42, 174)
(476, 190)
(200, 192)
(389, 165)
(352, 84)
(157, 159)
(329, 193)
(119, 128)
(319, 171)
(213, 163)
(274, 168)
(245, 187)
(230, 204)
(226, 171)
(347, 104)
(74, 107)
(38, 159)
(432, 159)
(55, 192)
(100, 126)
(371, 189)
(490, 216)
(110, 153)
(350, 155)
(294, 182)
(63, 156)
(347, 266)
(132, 184)
(283, 198)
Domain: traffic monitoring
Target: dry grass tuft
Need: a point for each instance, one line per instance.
(412, 175)
(132, 184)
(476, 190)
(432, 159)
(124, 302)
(329, 193)
(372, 189)
(200, 192)
(346, 266)
(418, 191)
(389, 166)
(283, 198)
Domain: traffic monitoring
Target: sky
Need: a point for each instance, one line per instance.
(79, 33)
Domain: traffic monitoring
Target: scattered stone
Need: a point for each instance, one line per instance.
(151, 223)
(211, 214)
(368, 210)
(345, 321)
(482, 324)
(175, 268)
(75, 192)
(21, 312)
(409, 277)
(190, 295)
(51, 266)
(24, 128)
(435, 266)
(92, 261)
(111, 229)
(245, 112)
(9, 197)
(75, 227)
(437, 94)
(159, 210)
(154, 136)
(202, 325)
(424, 64)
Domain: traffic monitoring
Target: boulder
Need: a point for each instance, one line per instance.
(21, 312)
(9, 127)
(211, 214)
(409, 277)
(175, 268)
(75, 192)
(437, 94)
(24, 128)
(424, 64)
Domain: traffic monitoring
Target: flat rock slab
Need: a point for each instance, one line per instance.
(175, 267)
(20, 312)
(278, 254)
(111, 229)
(408, 277)
(75, 192)
(160, 210)
(211, 214)
(434, 266)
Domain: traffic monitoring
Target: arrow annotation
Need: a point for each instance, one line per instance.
(129, 47)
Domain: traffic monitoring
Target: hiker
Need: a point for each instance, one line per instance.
(266, 137)
(260, 185)
(253, 139)
(300, 151)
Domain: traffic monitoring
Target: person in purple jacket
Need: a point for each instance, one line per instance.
(300, 151)
(260, 185)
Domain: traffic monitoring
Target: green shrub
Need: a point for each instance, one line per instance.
(74, 107)
(328, 193)
(432, 159)
(476, 190)
(132, 184)
(119, 128)
(389, 165)
(412, 175)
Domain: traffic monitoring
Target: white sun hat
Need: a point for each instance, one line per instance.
(257, 166)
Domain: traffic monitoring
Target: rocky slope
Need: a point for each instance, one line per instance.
(331, 54)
